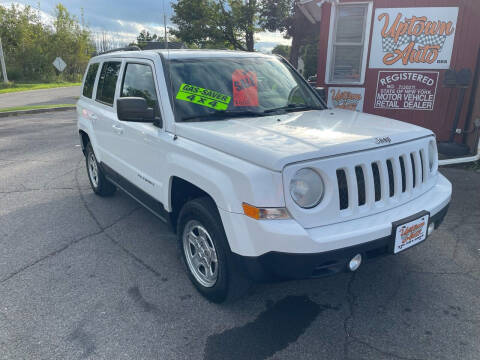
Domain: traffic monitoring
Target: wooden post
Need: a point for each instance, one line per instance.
(2, 61)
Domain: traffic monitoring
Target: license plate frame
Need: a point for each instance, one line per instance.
(410, 226)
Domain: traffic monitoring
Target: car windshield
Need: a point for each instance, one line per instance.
(210, 89)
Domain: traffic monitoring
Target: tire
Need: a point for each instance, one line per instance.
(100, 185)
(224, 280)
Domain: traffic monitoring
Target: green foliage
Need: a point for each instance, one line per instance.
(144, 37)
(216, 23)
(286, 17)
(233, 23)
(35, 107)
(16, 87)
(277, 15)
(31, 46)
(283, 50)
(310, 57)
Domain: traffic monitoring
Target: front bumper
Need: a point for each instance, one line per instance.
(267, 242)
(277, 266)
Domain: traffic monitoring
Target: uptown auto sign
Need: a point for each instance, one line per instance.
(413, 38)
(347, 98)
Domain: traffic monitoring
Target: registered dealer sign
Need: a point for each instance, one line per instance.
(59, 64)
(406, 90)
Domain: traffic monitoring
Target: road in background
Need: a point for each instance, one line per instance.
(83, 277)
(64, 95)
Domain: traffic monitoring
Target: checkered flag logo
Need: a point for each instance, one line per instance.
(389, 44)
(431, 40)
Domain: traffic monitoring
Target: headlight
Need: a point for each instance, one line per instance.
(432, 154)
(307, 188)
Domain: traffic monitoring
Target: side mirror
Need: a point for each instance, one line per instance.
(134, 109)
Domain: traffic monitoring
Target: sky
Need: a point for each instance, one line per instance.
(124, 19)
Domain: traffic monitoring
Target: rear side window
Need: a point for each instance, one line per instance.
(138, 82)
(90, 80)
(108, 82)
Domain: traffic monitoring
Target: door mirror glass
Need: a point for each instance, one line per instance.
(134, 109)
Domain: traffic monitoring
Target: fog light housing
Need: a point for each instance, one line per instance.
(355, 263)
(431, 228)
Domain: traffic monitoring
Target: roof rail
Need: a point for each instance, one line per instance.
(127, 48)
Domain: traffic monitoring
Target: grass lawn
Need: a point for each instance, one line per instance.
(33, 107)
(15, 87)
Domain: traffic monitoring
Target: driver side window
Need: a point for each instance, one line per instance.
(138, 81)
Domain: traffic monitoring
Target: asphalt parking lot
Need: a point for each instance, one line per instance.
(83, 277)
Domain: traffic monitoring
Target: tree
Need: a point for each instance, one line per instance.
(233, 23)
(144, 37)
(283, 50)
(310, 58)
(216, 23)
(31, 46)
(285, 16)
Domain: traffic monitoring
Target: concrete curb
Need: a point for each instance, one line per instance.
(36, 111)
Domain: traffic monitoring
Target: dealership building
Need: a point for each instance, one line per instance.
(413, 60)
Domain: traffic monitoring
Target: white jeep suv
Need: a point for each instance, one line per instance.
(256, 176)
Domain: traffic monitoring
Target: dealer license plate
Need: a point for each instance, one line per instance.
(410, 233)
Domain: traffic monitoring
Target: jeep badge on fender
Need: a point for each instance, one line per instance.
(383, 140)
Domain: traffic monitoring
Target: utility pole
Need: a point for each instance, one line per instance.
(165, 24)
(2, 61)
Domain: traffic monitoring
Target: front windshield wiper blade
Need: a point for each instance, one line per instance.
(220, 115)
(292, 107)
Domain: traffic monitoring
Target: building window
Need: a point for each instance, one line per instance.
(348, 44)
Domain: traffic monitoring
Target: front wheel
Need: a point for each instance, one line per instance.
(100, 185)
(206, 254)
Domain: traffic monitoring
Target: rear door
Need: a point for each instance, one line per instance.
(106, 112)
(86, 113)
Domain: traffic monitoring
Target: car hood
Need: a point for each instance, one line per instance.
(278, 140)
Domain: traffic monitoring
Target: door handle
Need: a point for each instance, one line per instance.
(93, 119)
(117, 129)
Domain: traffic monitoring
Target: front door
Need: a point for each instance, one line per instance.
(141, 145)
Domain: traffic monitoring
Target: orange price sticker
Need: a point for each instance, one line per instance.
(245, 88)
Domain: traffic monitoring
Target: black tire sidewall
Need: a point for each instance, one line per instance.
(89, 150)
(202, 211)
(104, 187)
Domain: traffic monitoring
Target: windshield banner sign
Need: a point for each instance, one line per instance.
(413, 38)
(406, 90)
(204, 97)
(348, 98)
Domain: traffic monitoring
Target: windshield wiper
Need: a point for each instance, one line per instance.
(292, 107)
(220, 115)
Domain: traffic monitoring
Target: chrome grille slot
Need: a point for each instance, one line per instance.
(360, 185)
(342, 189)
(423, 165)
(377, 182)
(404, 175)
(391, 179)
(414, 177)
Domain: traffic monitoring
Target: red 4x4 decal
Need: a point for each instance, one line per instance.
(245, 88)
